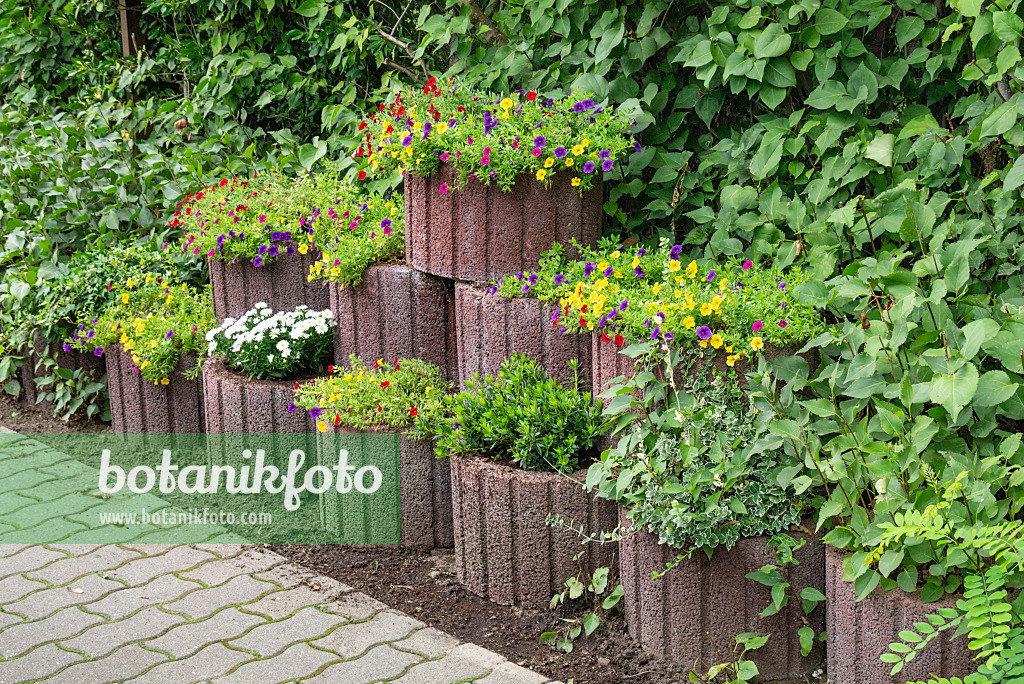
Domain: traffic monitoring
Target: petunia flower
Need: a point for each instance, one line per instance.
(704, 332)
(711, 276)
(783, 324)
(589, 167)
(757, 327)
(540, 141)
(560, 152)
(747, 264)
(98, 351)
(257, 262)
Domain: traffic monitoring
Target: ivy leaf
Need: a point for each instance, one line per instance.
(954, 391)
(880, 149)
(829, 21)
(994, 388)
(773, 42)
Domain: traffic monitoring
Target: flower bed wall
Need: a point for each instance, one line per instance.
(139, 406)
(491, 328)
(701, 605)
(482, 233)
(72, 360)
(859, 632)
(236, 405)
(425, 494)
(504, 551)
(282, 282)
(396, 311)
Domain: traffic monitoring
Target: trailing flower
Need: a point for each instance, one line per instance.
(156, 320)
(488, 137)
(388, 395)
(635, 294)
(266, 345)
(364, 230)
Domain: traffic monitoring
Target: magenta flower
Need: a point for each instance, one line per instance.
(444, 188)
(783, 324)
(747, 264)
(444, 156)
(758, 325)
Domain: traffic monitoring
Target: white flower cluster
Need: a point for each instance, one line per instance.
(278, 337)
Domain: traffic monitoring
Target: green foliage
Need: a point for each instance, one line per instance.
(520, 414)
(367, 230)
(264, 344)
(599, 604)
(492, 137)
(386, 395)
(736, 670)
(680, 464)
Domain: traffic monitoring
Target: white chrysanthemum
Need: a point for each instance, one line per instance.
(283, 346)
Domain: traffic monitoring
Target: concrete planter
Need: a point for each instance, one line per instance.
(396, 311)
(235, 404)
(860, 631)
(701, 605)
(491, 328)
(73, 360)
(424, 500)
(481, 233)
(282, 282)
(138, 406)
(504, 551)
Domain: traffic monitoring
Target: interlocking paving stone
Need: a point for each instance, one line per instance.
(67, 570)
(217, 572)
(75, 549)
(292, 575)
(8, 550)
(237, 590)
(31, 558)
(61, 486)
(510, 673)
(125, 663)
(9, 619)
(125, 602)
(67, 623)
(271, 638)
(350, 640)
(54, 528)
(212, 661)
(145, 569)
(37, 513)
(223, 550)
(42, 603)
(298, 661)
(355, 606)
(12, 501)
(14, 587)
(42, 662)
(430, 643)
(186, 639)
(466, 661)
(382, 662)
(150, 549)
(22, 480)
(103, 639)
(283, 603)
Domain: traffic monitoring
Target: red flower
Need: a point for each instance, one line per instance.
(337, 419)
(619, 340)
(604, 337)
(296, 384)
(362, 175)
(413, 411)
(330, 369)
(362, 125)
(385, 384)
(583, 322)
(583, 308)
(380, 409)
(531, 96)
(223, 182)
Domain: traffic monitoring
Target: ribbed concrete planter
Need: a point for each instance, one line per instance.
(235, 404)
(490, 328)
(72, 360)
(137, 406)
(860, 631)
(701, 605)
(424, 490)
(482, 233)
(282, 282)
(504, 551)
(396, 311)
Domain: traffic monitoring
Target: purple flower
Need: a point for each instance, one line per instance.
(704, 332)
(98, 351)
(406, 141)
(540, 141)
(636, 146)
(291, 407)
(291, 250)
(641, 252)
(315, 412)
(589, 167)
(783, 324)
(608, 272)
(262, 250)
(257, 262)
(655, 332)
(711, 276)
(639, 272)
(782, 286)
(607, 165)
(386, 223)
(274, 250)
(604, 154)
(67, 347)
(647, 323)
(526, 288)
(604, 319)
(276, 235)
(89, 335)
(669, 337)
(559, 279)
(624, 305)
(560, 152)
(588, 269)
(676, 251)
(170, 334)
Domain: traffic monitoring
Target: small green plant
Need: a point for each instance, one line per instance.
(736, 670)
(576, 588)
(71, 390)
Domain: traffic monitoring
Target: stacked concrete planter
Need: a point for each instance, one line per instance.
(235, 404)
(504, 550)
(137, 406)
(860, 631)
(396, 311)
(481, 233)
(72, 360)
(282, 282)
(701, 605)
(491, 328)
(424, 490)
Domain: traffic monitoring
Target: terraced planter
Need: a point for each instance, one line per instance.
(423, 497)
(701, 605)
(482, 233)
(235, 404)
(282, 282)
(504, 550)
(860, 631)
(491, 328)
(73, 360)
(137, 406)
(396, 311)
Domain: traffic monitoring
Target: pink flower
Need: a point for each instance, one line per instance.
(536, 152)
(757, 326)
(444, 156)
(444, 188)
(263, 218)
(747, 264)
(485, 160)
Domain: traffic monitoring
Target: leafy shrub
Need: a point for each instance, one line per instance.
(387, 395)
(520, 414)
(266, 345)
(367, 230)
(491, 137)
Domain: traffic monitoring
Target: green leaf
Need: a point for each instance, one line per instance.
(590, 623)
(994, 388)
(806, 636)
(1008, 26)
(309, 8)
(865, 584)
(908, 28)
(829, 21)
(13, 387)
(773, 42)
(1014, 178)
(779, 73)
(977, 333)
(880, 149)
(954, 391)
(999, 121)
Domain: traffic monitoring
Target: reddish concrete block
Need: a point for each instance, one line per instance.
(482, 233)
(490, 328)
(396, 311)
(235, 404)
(504, 551)
(859, 632)
(282, 282)
(138, 406)
(701, 605)
(72, 360)
(425, 493)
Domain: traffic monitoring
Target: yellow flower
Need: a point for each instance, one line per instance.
(689, 322)
(549, 162)
(303, 248)
(756, 343)
(507, 103)
(673, 266)
(636, 262)
(691, 270)
(716, 303)
(541, 173)
(131, 283)
(170, 298)
(321, 426)
(679, 279)
(124, 297)
(657, 288)
(417, 126)
(705, 309)
(731, 359)
(585, 143)
(576, 182)
(577, 150)
(442, 127)
(165, 381)
(723, 284)
(704, 343)
(616, 254)
(149, 278)
(717, 341)
(569, 161)
(729, 348)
